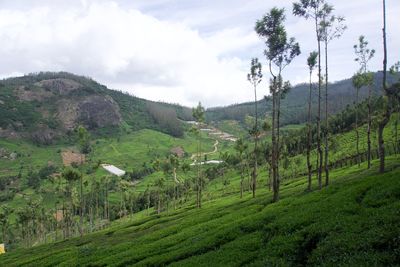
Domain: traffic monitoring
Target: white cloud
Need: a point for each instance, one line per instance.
(171, 50)
(128, 50)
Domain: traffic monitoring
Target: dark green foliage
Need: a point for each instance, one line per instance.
(16, 114)
(139, 173)
(166, 118)
(46, 171)
(33, 179)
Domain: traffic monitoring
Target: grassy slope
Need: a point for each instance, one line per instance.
(128, 152)
(29, 155)
(353, 222)
(345, 146)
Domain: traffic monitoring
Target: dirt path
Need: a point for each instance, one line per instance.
(215, 145)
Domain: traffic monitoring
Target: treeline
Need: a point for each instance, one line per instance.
(166, 119)
(294, 105)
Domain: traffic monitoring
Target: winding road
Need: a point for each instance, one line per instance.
(193, 157)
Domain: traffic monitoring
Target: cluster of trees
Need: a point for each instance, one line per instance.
(166, 118)
(280, 51)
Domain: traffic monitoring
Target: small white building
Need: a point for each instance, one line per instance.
(113, 170)
(207, 162)
(192, 122)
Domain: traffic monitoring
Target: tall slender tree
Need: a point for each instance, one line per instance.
(395, 88)
(255, 77)
(313, 9)
(84, 143)
(241, 147)
(311, 62)
(5, 212)
(385, 117)
(198, 115)
(357, 83)
(71, 176)
(332, 27)
(280, 52)
(364, 78)
(159, 183)
(174, 161)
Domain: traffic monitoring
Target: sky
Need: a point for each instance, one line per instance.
(177, 51)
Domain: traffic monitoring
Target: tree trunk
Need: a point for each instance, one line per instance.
(319, 109)
(56, 223)
(274, 154)
(269, 178)
(64, 219)
(199, 174)
(369, 128)
(159, 203)
(326, 117)
(381, 146)
(278, 154)
(386, 115)
(309, 136)
(241, 176)
(81, 208)
(107, 208)
(357, 133)
(255, 144)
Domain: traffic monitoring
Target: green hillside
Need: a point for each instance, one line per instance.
(353, 222)
(45, 107)
(128, 152)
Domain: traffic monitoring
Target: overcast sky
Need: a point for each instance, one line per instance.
(179, 51)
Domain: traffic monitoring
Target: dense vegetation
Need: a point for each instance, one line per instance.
(353, 222)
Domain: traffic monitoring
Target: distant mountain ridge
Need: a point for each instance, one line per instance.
(294, 105)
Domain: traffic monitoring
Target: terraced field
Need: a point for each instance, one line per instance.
(353, 222)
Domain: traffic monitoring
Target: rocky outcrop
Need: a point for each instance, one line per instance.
(46, 89)
(99, 111)
(47, 109)
(30, 94)
(94, 111)
(67, 113)
(59, 86)
(43, 135)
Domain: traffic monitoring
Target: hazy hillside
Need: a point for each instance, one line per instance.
(294, 105)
